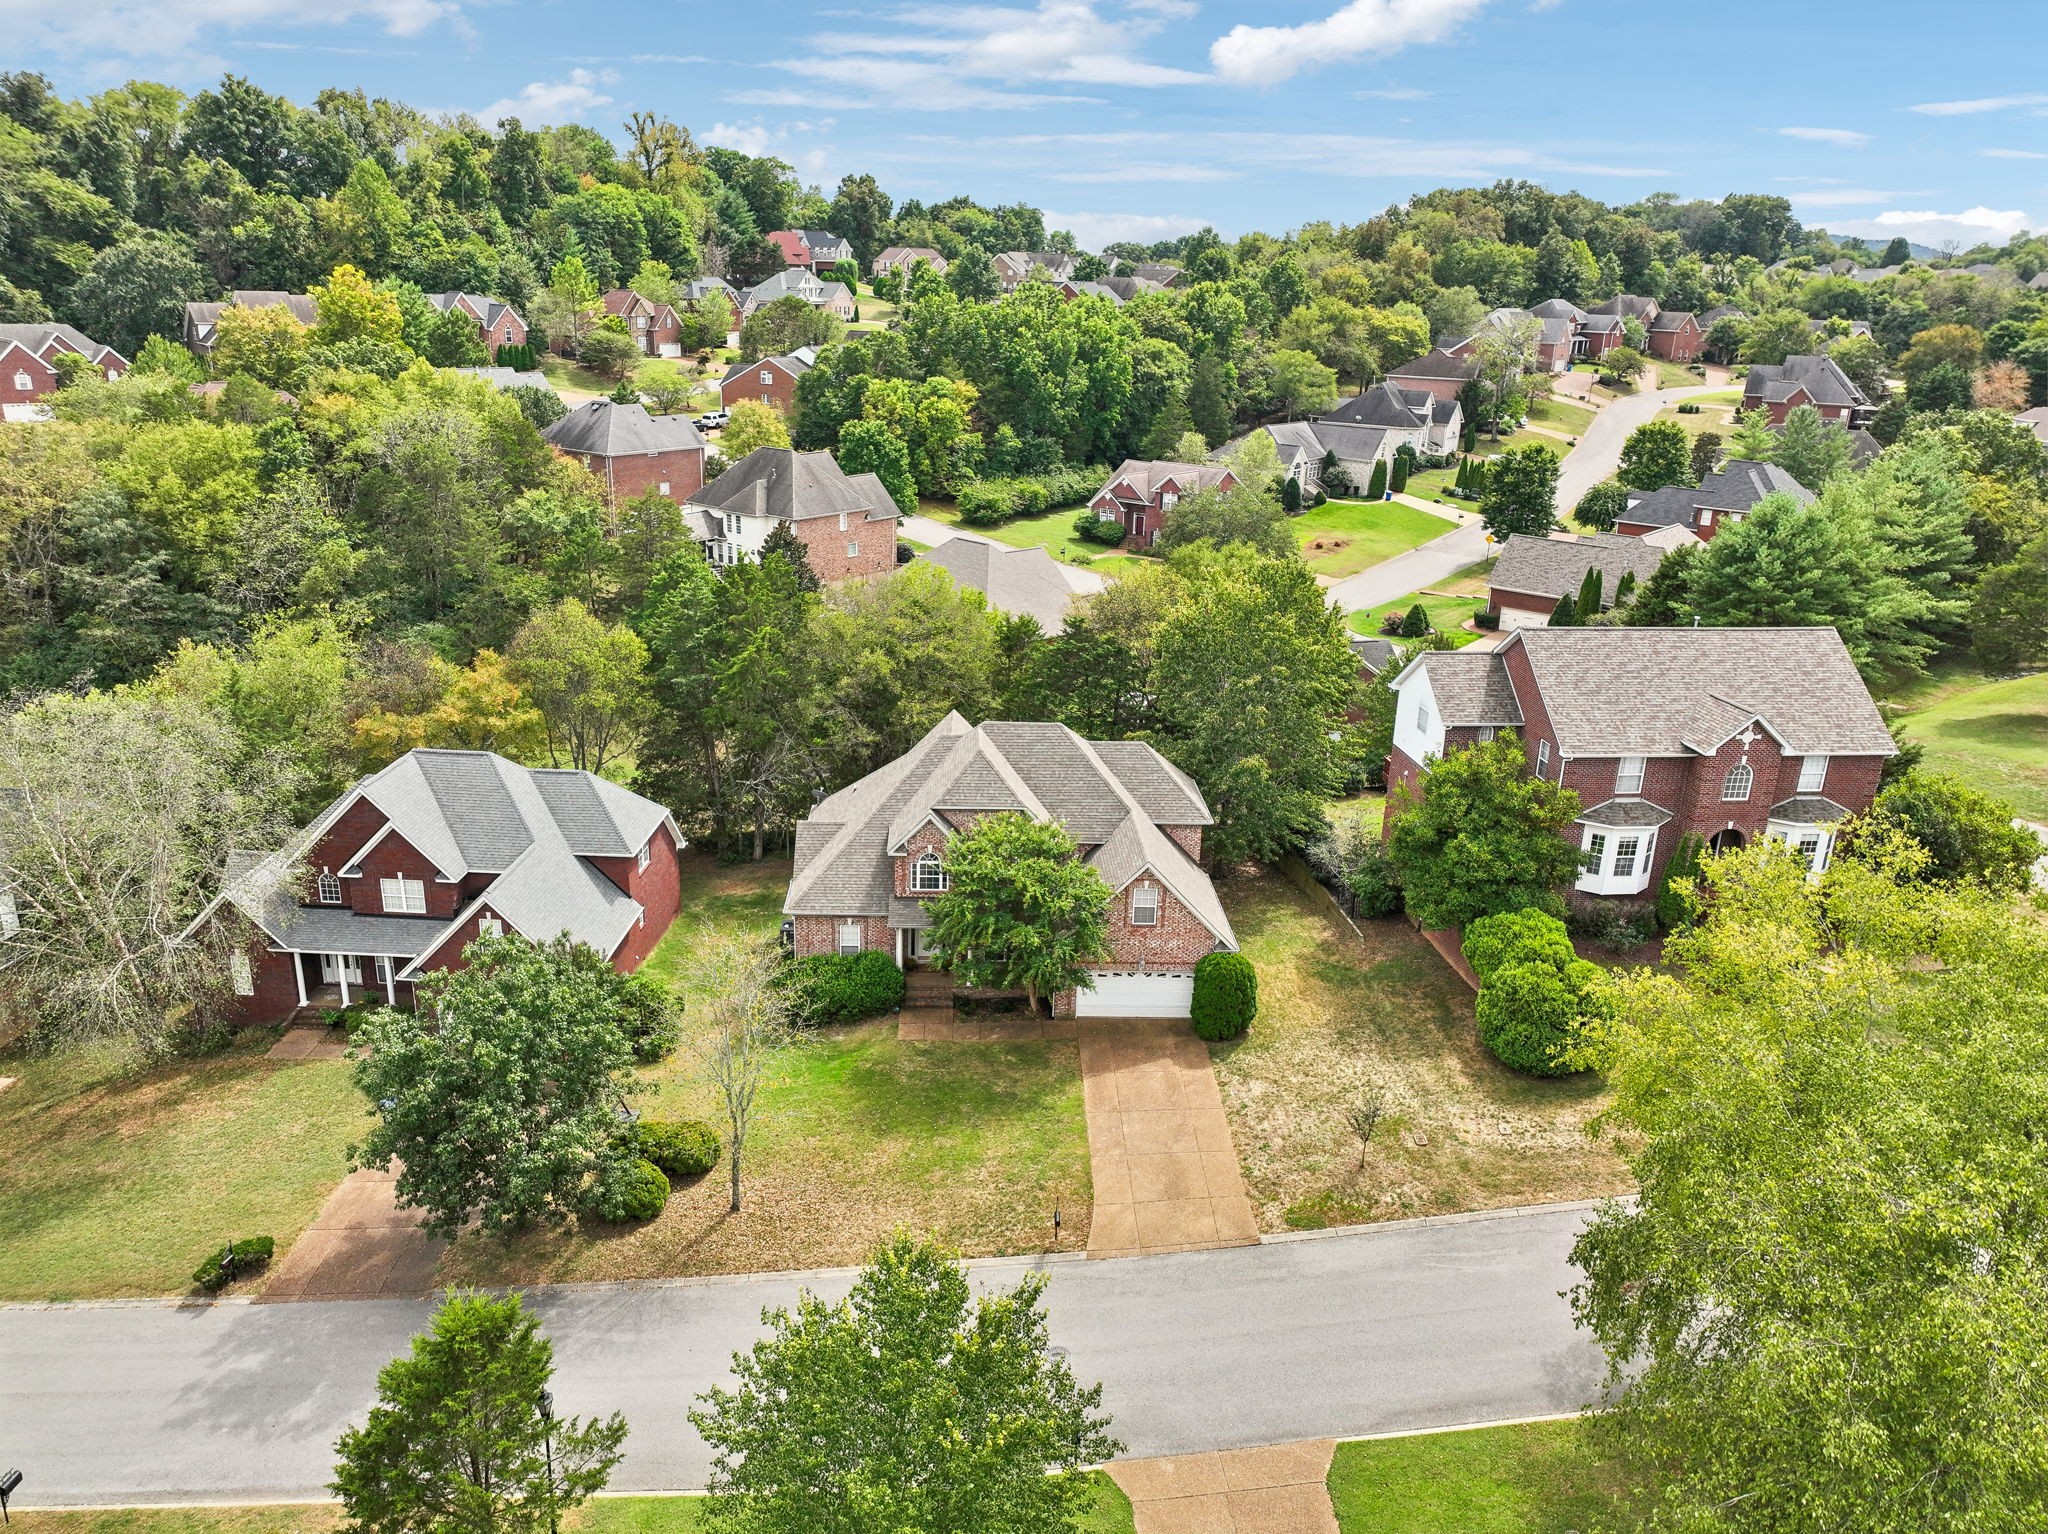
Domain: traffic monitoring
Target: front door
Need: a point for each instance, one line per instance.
(334, 966)
(921, 946)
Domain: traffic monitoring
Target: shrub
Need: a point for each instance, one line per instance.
(1090, 528)
(1415, 622)
(843, 988)
(1226, 995)
(653, 1018)
(1516, 937)
(1529, 1012)
(682, 1148)
(985, 502)
(215, 1274)
(1375, 891)
(636, 1190)
(1677, 905)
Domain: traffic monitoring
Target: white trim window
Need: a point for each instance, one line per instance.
(1542, 757)
(767, 377)
(328, 887)
(645, 855)
(850, 939)
(242, 973)
(928, 875)
(1486, 734)
(23, 382)
(1422, 719)
(1145, 906)
(1628, 775)
(487, 926)
(404, 897)
(1735, 787)
(842, 521)
(1617, 860)
(1813, 774)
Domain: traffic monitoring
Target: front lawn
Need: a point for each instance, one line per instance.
(1674, 375)
(1343, 1016)
(1052, 531)
(115, 1184)
(1532, 1478)
(1344, 537)
(1561, 415)
(1993, 736)
(858, 1134)
(1450, 605)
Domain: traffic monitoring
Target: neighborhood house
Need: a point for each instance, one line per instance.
(1025, 583)
(497, 324)
(814, 250)
(1727, 495)
(832, 297)
(846, 522)
(871, 855)
(202, 320)
(655, 327)
(631, 451)
(1142, 493)
(1413, 418)
(772, 380)
(1807, 380)
(440, 848)
(28, 364)
(1533, 574)
(1729, 734)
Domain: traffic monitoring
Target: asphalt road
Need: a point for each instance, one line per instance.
(1428, 1324)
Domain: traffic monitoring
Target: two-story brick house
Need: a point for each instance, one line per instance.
(1727, 495)
(397, 876)
(771, 380)
(1142, 493)
(798, 282)
(846, 522)
(631, 451)
(815, 250)
(28, 364)
(1413, 418)
(871, 855)
(202, 319)
(1807, 380)
(1729, 734)
(655, 327)
(497, 322)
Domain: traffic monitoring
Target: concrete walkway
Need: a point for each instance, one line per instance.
(1165, 1168)
(1281, 1490)
(306, 1042)
(361, 1246)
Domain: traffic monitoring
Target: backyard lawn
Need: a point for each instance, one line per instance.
(1051, 530)
(116, 1184)
(1343, 537)
(1342, 1016)
(1994, 736)
(858, 1134)
(1532, 1478)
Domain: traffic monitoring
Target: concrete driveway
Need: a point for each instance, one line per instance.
(932, 533)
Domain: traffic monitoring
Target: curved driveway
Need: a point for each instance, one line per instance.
(1430, 1323)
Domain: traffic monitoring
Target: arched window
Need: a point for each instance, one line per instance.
(928, 874)
(330, 888)
(1735, 787)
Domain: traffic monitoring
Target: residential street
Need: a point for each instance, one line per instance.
(1430, 1323)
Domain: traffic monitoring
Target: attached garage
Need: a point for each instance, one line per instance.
(1133, 993)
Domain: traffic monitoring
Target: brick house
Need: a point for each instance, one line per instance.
(815, 250)
(847, 522)
(796, 282)
(1142, 493)
(28, 364)
(497, 323)
(1303, 447)
(202, 320)
(655, 327)
(1676, 336)
(1414, 417)
(1014, 268)
(772, 380)
(1533, 574)
(1728, 734)
(1727, 495)
(631, 451)
(869, 856)
(400, 873)
(901, 258)
(1807, 380)
(1438, 372)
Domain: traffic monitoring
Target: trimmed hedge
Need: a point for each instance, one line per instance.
(682, 1148)
(1226, 996)
(843, 988)
(1516, 937)
(1090, 528)
(250, 1255)
(990, 502)
(1528, 1012)
(636, 1191)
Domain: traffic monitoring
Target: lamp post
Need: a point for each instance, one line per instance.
(8, 1483)
(547, 1418)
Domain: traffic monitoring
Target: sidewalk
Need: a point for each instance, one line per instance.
(1281, 1490)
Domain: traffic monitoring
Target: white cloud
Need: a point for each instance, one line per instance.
(1971, 226)
(1394, 93)
(2013, 154)
(1841, 138)
(1092, 231)
(1141, 171)
(1247, 55)
(1981, 104)
(551, 101)
(172, 28)
(1840, 197)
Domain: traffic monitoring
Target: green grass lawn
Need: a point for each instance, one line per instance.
(1448, 614)
(1561, 415)
(1993, 736)
(1341, 537)
(1052, 531)
(1535, 1478)
(1432, 485)
(1674, 375)
(119, 1184)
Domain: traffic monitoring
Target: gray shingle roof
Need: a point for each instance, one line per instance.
(1559, 309)
(606, 429)
(1139, 475)
(1471, 687)
(1809, 810)
(1025, 582)
(1735, 487)
(1820, 377)
(1354, 444)
(1551, 567)
(796, 364)
(1385, 405)
(1630, 304)
(790, 486)
(1374, 652)
(1625, 813)
(1663, 692)
(1437, 364)
(38, 337)
(508, 378)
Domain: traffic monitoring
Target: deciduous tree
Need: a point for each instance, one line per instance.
(1022, 911)
(1657, 453)
(1521, 492)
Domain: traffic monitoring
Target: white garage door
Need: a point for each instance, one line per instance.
(671, 348)
(1523, 618)
(1137, 995)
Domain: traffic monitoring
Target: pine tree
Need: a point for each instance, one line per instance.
(1566, 614)
(1398, 480)
(1625, 587)
(1415, 622)
(781, 540)
(1378, 488)
(1590, 590)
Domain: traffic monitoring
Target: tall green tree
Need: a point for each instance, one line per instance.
(870, 447)
(1521, 492)
(1810, 449)
(1021, 911)
(136, 289)
(462, 1436)
(1239, 515)
(1657, 453)
(1967, 835)
(589, 681)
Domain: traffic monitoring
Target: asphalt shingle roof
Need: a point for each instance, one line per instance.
(1471, 687)
(607, 429)
(1024, 582)
(1551, 567)
(790, 486)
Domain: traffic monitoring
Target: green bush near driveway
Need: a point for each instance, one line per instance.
(843, 988)
(1226, 996)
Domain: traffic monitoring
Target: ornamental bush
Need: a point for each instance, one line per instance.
(652, 1017)
(681, 1148)
(216, 1273)
(1089, 528)
(1528, 1013)
(1226, 996)
(1677, 892)
(988, 502)
(843, 988)
(638, 1190)
(1516, 937)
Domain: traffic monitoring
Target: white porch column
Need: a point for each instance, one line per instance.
(390, 983)
(299, 974)
(341, 974)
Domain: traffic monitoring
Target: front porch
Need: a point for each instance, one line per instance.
(328, 982)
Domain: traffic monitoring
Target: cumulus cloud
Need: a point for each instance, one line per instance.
(1248, 55)
(1972, 226)
(172, 28)
(1841, 138)
(551, 101)
(1981, 104)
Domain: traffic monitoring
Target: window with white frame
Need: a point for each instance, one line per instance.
(1596, 852)
(381, 968)
(1486, 733)
(735, 524)
(664, 487)
(842, 521)
(1628, 776)
(404, 897)
(1626, 849)
(1145, 906)
(1808, 846)
(1735, 787)
(646, 855)
(1813, 774)
(1542, 757)
(1422, 719)
(849, 937)
(853, 551)
(767, 377)
(23, 382)
(489, 926)
(242, 973)
(329, 887)
(928, 874)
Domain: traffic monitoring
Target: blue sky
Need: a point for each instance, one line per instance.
(1147, 118)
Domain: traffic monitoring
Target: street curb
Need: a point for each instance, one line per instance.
(1468, 1217)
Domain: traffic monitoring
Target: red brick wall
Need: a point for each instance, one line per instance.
(1535, 717)
(1187, 838)
(344, 839)
(1174, 943)
(389, 858)
(41, 376)
(509, 331)
(1521, 601)
(1680, 345)
(781, 393)
(277, 993)
(820, 934)
(1600, 342)
(927, 838)
(449, 954)
(636, 474)
(658, 888)
(825, 546)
